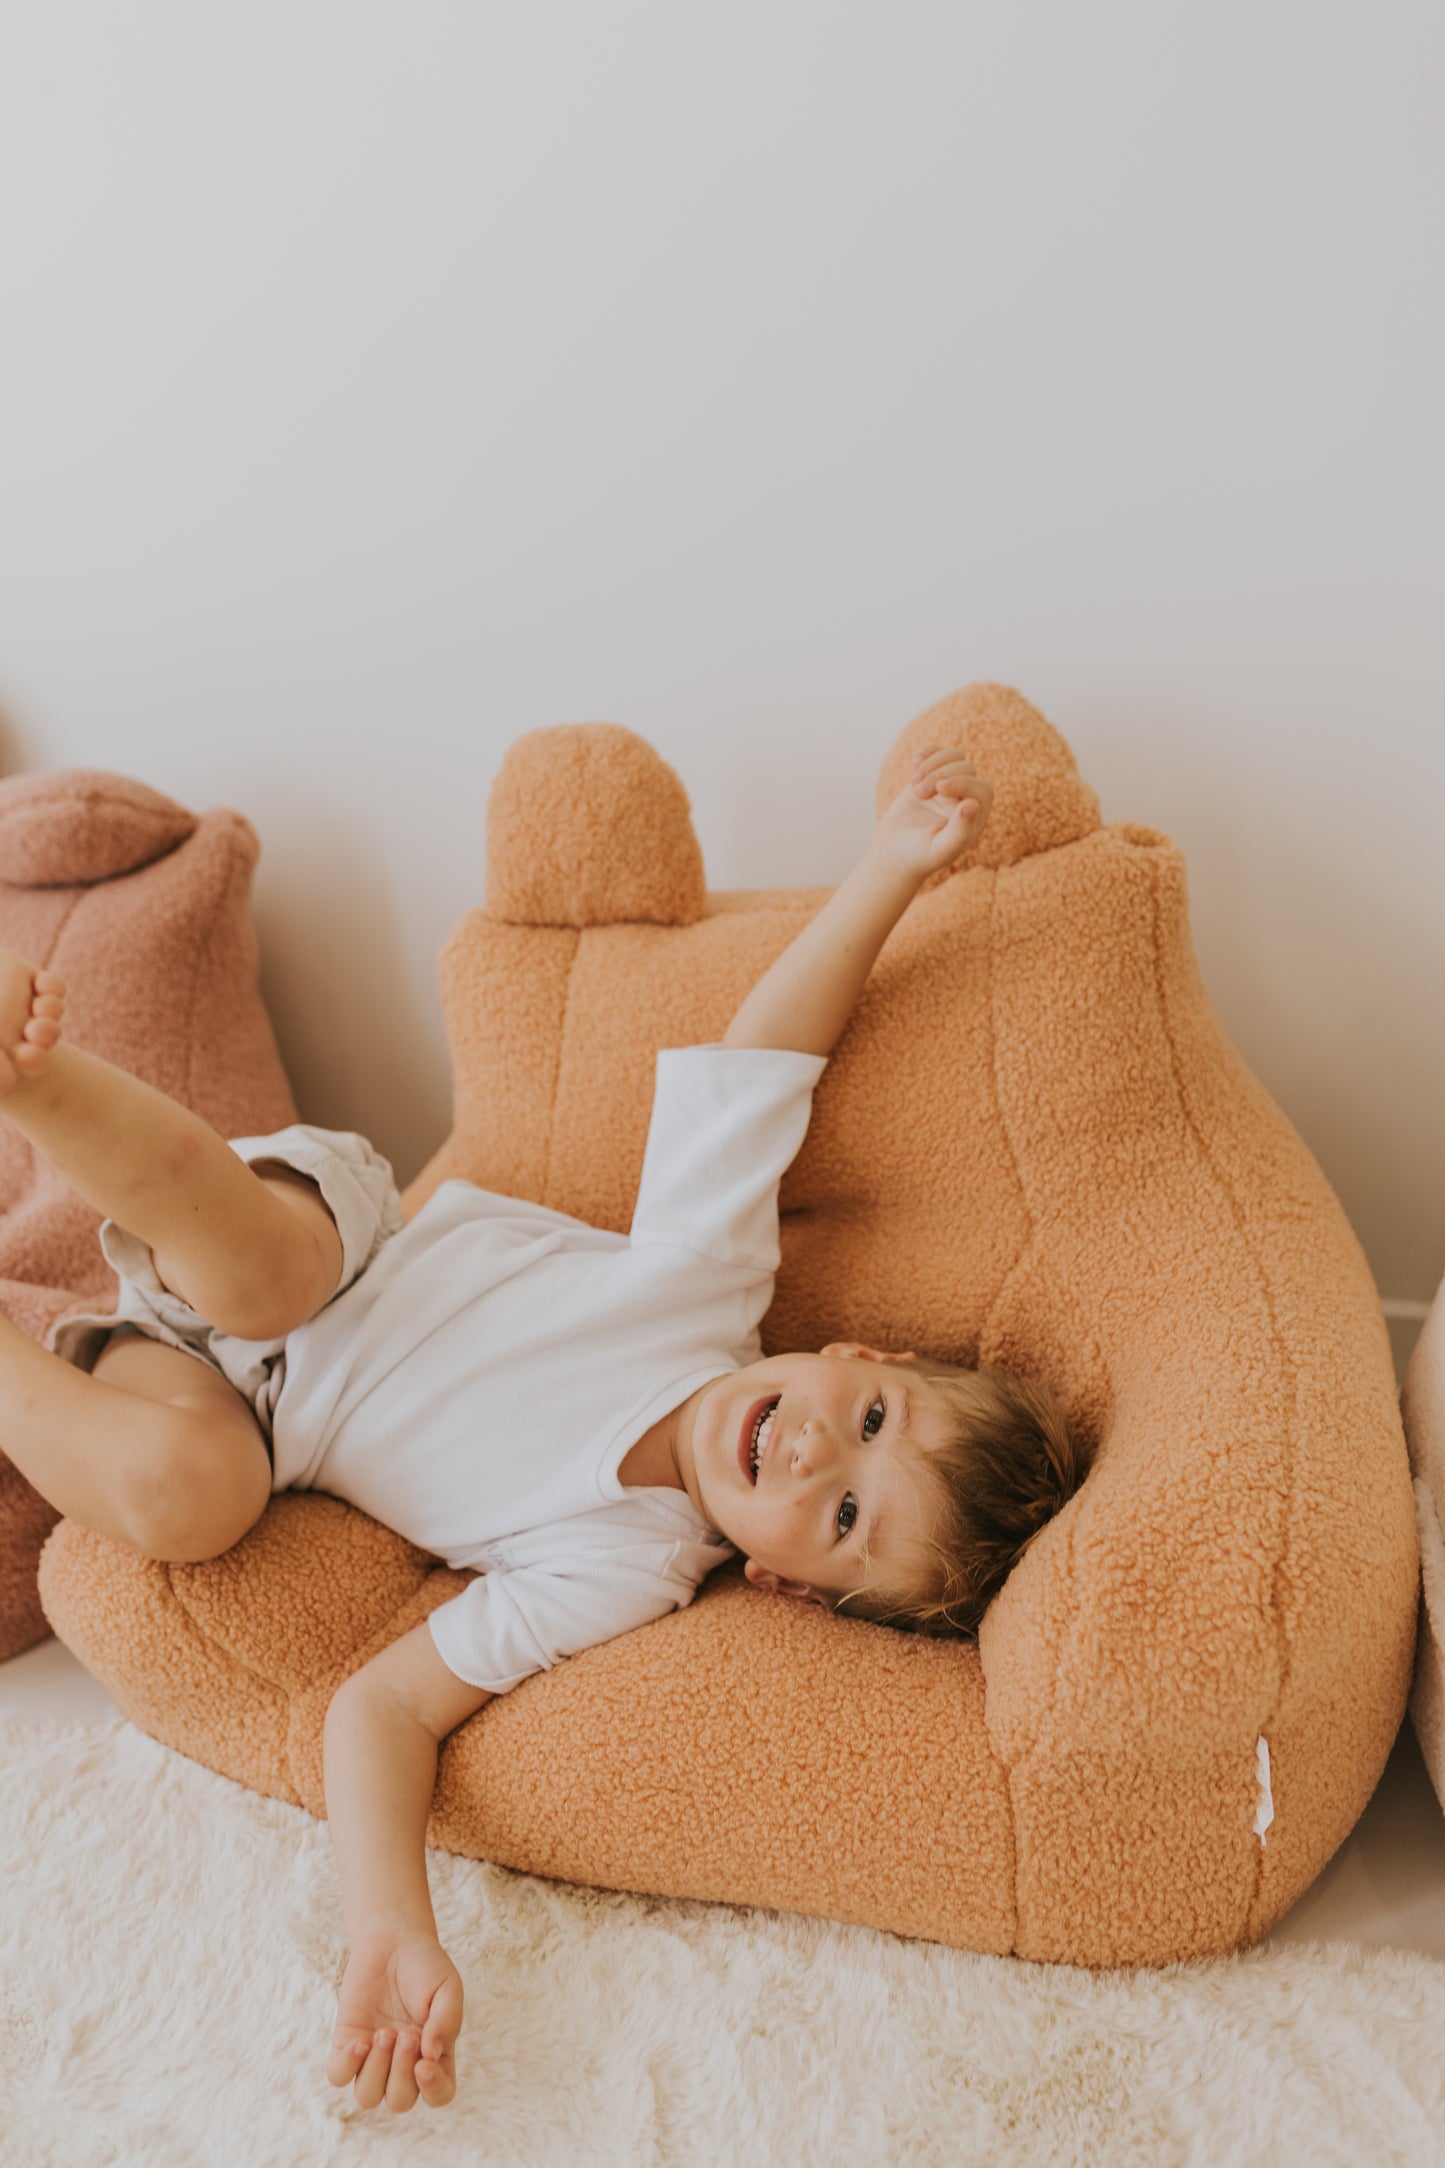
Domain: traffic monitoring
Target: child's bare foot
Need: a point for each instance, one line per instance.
(31, 1005)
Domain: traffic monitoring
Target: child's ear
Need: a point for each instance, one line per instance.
(764, 1577)
(867, 1354)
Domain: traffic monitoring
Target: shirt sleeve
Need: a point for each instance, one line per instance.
(508, 1624)
(727, 1123)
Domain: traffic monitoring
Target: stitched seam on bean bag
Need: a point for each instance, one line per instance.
(59, 934)
(558, 1069)
(1004, 1769)
(1029, 1249)
(276, 1695)
(1227, 1193)
(1029, 1238)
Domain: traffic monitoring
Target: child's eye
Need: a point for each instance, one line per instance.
(850, 1503)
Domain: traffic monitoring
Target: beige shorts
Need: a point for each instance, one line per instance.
(360, 1191)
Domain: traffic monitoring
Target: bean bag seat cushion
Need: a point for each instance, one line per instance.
(144, 909)
(1034, 1147)
(1422, 1402)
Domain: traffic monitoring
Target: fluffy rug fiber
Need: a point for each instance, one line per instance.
(171, 1944)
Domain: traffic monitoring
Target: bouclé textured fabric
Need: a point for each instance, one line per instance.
(1034, 1147)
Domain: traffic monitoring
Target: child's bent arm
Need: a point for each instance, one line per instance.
(401, 1991)
(806, 997)
(382, 1732)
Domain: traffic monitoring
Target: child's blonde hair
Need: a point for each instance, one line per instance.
(1011, 1462)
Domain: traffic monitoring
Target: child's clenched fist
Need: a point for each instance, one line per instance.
(938, 815)
(399, 2015)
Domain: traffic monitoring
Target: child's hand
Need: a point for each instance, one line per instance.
(397, 2021)
(938, 815)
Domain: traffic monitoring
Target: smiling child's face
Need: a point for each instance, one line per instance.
(799, 1459)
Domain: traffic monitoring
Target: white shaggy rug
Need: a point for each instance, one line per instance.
(170, 1946)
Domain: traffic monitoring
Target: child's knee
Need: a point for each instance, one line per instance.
(203, 1485)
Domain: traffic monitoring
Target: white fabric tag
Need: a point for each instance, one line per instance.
(1264, 1812)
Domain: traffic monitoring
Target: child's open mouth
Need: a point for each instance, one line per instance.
(753, 1437)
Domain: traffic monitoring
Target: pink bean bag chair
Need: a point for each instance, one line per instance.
(145, 911)
(1034, 1148)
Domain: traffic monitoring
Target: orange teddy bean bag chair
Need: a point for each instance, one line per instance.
(1035, 1148)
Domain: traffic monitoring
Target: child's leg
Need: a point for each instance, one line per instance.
(154, 1447)
(255, 1255)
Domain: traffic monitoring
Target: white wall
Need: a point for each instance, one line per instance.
(380, 381)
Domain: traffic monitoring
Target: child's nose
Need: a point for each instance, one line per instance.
(814, 1445)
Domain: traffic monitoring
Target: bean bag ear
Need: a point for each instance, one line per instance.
(1033, 1148)
(1040, 802)
(143, 908)
(587, 825)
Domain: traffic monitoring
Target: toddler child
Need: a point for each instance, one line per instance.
(585, 1419)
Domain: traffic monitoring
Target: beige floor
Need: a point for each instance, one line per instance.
(1385, 1887)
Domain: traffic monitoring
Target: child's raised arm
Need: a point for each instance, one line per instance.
(807, 996)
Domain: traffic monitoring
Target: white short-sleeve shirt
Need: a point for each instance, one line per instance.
(479, 1385)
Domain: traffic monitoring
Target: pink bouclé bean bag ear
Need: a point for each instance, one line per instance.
(144, 910)
(1034, 1148)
